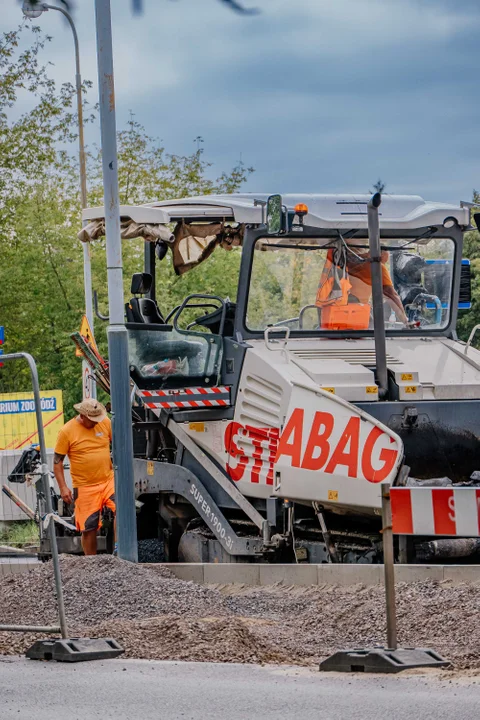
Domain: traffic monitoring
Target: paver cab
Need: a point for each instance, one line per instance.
(265, 425)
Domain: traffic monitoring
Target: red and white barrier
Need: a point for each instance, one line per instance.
(436, 511)
(194, 397)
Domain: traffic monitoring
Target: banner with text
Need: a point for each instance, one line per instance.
(17, 419)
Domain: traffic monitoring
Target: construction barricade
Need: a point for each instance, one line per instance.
(26, 511)
(29, 518)
(424, 511)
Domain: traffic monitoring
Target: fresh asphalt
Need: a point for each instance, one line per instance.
(150, 690)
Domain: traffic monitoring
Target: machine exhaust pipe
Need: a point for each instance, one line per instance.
(377, 293)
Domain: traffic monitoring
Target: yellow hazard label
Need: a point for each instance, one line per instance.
(87, 334)
(333, 494)
(411, 389)
(197, 426)
(150, 467)
(330, 390)
(406, 376)
(372, 389)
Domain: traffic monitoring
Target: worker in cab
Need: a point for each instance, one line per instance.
(86, 441)
(359, 272)
(346, 279)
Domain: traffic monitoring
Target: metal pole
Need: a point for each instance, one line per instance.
(149, 264)
(46, 487)
(388, 564)
(377, 293)
(88, 383)
(32, 628)
(117, 333)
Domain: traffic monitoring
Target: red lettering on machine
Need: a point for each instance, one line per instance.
(258, 450)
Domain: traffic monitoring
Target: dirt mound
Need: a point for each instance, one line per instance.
(209, 639)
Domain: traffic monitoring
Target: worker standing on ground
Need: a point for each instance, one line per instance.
(86, 440)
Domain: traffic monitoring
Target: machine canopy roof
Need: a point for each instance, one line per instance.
(204, 222)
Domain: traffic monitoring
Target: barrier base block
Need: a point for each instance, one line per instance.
(75, 649)
(382, 660)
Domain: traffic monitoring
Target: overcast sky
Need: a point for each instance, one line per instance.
(317, 95)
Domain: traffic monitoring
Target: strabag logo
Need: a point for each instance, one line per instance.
(371, 458)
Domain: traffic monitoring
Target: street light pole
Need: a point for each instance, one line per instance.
(117, 333)
(34, 11)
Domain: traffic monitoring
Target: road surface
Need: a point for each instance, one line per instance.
(148, 690)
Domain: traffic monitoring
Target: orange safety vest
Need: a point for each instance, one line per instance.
(334, 285)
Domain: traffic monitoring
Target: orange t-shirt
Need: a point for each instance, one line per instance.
(88, 450)
(359, 274)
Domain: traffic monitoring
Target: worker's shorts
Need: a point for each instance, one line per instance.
(89, 503)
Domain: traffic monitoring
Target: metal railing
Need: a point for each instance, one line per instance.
(21, 502)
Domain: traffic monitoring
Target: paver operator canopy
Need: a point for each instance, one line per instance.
(323, 284)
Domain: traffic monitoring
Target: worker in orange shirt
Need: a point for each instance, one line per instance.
(86, 440)
(359, 272)
(357, 280)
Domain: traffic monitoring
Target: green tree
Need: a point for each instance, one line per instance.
(41, 273)
(30, 177)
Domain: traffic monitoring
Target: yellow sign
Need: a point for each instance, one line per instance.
(197, 426)
(411, 389)
(18, 422)
(150, 468)
(371, 389)
(330, 390)
(407, 376)
(333, 494)
(87, 334)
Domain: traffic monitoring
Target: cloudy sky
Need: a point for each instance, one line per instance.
(317, 95)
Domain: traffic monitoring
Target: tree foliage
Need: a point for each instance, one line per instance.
(41, 273)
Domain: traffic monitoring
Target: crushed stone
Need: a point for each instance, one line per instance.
(154, 615)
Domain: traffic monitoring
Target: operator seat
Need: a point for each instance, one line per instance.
(142, 309)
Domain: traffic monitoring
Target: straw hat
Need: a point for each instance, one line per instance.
(92, 409)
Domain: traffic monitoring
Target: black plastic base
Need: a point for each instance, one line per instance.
(382, 660)
(75, 649)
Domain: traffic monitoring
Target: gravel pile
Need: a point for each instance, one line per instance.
(102, 588)
(209, 639)
(316, 621)
(155, 615)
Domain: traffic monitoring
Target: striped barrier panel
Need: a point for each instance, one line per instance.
(193, 397)
(436, 511)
